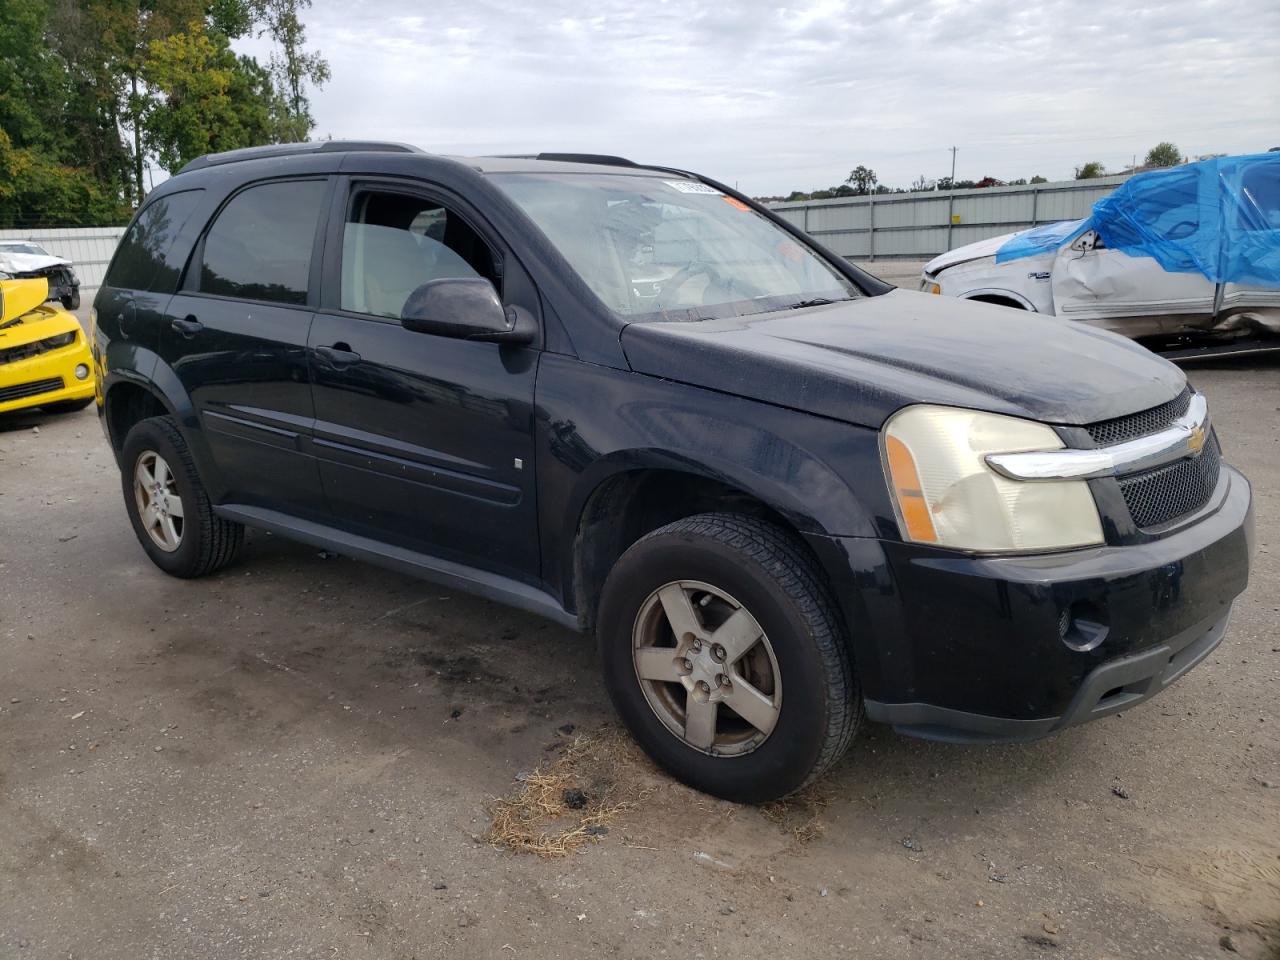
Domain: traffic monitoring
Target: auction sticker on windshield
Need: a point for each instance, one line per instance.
(690, 186)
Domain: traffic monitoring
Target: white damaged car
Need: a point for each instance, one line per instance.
(26, 259)
(1189, 254)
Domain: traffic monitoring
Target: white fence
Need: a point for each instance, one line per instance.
(921, 225)
(88, 248)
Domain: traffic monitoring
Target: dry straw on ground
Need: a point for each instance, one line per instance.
(800, 814)
(598, 774)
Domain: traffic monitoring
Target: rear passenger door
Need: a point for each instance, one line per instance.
(236, 337)
(423, 441)
(144, 273)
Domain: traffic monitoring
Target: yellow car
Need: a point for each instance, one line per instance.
(44, 355)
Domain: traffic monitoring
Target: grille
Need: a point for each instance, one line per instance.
(1107, 432)
(32, 388)
(1169, 492)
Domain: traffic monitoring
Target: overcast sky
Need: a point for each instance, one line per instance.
(777, 98)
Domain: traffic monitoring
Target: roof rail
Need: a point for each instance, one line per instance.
(295, 149)
(600, 158)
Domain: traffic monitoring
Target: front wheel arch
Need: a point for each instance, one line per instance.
(1001, 298)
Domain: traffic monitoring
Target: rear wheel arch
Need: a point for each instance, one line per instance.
(127, 403)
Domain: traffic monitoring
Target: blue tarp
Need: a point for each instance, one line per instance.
(1219, 218)
(1041, 239)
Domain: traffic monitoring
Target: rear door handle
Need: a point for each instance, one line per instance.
(339, 355)
(189, 326)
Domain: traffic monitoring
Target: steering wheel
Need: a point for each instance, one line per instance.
(700, 268)
(1176, 232)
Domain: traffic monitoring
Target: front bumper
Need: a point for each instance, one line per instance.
(960, 647)
(46, 378)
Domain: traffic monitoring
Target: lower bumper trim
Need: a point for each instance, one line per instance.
(1107, 689)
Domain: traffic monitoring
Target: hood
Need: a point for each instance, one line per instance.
(860, 360)
(970, 251)
(24, 317)
(11, 262)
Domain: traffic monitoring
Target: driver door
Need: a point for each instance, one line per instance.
(1130, 295)
(422, 441)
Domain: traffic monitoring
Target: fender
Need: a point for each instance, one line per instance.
(823, 476)
(127, 362)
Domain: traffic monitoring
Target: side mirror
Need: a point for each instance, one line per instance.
(466, 308)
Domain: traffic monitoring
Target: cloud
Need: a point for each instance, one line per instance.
(778, 97)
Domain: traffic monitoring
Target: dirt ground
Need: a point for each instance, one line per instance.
(297, 758)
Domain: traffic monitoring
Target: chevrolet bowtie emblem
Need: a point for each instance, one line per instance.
(1196, 441)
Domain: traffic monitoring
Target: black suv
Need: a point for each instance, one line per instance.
(627, 398)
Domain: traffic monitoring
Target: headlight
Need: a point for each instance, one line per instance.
(61, 340)
(929, 286)
(935, 459)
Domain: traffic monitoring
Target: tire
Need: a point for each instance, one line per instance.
(71, 301)
(67, 406)
(800, 666)
(204, 541)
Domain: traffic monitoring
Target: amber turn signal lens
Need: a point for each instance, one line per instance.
(909, 492)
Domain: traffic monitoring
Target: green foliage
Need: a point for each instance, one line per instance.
(92, 90)
(37, 190)
(1164, 154)
(1090, 171)
(203, 97)
(1038, 179)
(292, 66)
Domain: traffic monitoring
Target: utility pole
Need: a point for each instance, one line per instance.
(951, 200)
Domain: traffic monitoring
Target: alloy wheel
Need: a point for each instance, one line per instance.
(707, 668)
(159, 504)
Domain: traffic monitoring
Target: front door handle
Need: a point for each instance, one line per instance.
(188, 326)
(339, 355)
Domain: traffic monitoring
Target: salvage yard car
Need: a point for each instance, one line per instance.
(26, 259)
(1189, 254)
(44, 355)
(778, 491)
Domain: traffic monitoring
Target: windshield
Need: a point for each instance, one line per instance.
(23, 248)
(655, 248)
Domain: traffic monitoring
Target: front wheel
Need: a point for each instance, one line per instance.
(71, 301)
(725, 656)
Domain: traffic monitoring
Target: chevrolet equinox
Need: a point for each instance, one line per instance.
(782, 494)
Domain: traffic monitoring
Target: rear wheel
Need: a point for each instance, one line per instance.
(725, 657)
(167, 504)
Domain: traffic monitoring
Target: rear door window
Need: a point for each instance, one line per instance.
(147, 257)
(260, 245)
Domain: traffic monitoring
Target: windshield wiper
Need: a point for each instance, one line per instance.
(815, 302)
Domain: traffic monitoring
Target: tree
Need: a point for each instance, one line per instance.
(863, 179)
(203, 98)
(292, 66)
(1090, 171)
(796, 195)
(1038, 179)
(920, 183)
(1164, 154)
(37, 190)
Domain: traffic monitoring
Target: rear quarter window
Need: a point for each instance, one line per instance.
(148, 257)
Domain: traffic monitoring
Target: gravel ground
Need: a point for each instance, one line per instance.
(296, 757)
